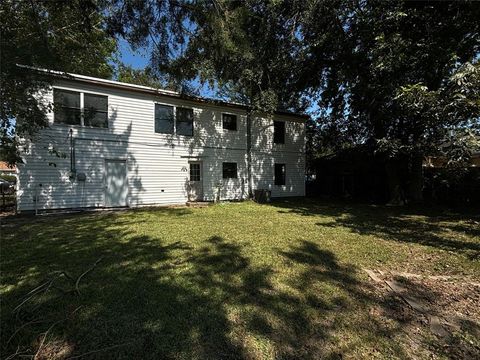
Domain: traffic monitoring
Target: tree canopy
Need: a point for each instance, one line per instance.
(56, 35)
(399, 77)
(248, 48)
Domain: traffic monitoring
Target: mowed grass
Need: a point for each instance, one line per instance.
(234, 280)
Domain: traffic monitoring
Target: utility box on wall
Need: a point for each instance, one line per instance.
(262, 196)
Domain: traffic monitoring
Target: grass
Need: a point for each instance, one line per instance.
(236, 280)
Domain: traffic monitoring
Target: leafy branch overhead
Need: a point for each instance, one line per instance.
(400, 78)
(57, 35)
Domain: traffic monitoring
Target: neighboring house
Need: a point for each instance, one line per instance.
(6, 169)
(113, 144)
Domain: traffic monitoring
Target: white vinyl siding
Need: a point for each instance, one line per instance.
(157, 164)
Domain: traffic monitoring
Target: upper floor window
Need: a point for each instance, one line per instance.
(229, 121)
(68, 110)
(229, 170)
(66, 107)
(164, 122)
(96, 110)
(184, 121)
(279, 132)
(280, 174)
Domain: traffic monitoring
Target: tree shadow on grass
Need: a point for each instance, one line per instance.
(136, 300)
(425, 226)
(153, 298)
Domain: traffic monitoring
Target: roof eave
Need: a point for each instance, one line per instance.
(152, 91)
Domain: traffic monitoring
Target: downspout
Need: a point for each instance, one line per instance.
(249, 152)
(72, 156)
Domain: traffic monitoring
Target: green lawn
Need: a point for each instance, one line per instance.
(235, 280)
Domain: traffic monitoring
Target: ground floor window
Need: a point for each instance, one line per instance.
(195, 172)
(229, 170)
(280, 172)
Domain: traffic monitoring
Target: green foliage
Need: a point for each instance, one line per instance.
(456, 106)
(398, 77)
(147, 77)
(57, 35)
(248, 48)
(9, 178)
(397, 64)
(143, 77)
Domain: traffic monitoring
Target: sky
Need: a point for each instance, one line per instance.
(140, 58)
(137, 59)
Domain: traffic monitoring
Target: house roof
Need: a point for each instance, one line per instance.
(150, 90)
(5, 167)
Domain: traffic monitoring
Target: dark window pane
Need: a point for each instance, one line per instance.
(163, 119)
(279, 132)
(195, 172)
(229, 121)
(96, 110)
(229, 170)
(67, 116)
(280, 170)
(184, 121)
(66, 105)
(66, 98)
(96, 118)
(98, 102)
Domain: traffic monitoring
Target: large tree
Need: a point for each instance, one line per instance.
(248, 49)
(398, 76)
(57, 35)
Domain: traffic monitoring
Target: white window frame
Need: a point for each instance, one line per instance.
(229, 113)
(174, 119)
(82, 107)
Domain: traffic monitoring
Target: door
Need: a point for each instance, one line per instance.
(116, 188)
(195, 183)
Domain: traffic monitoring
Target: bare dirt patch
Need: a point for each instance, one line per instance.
(437, 313)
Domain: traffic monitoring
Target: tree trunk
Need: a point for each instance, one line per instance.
(393, 170)
(415, 181)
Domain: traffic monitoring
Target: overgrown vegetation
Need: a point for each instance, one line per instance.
(237, 280)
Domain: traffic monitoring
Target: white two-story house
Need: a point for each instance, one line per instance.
(112, 144)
